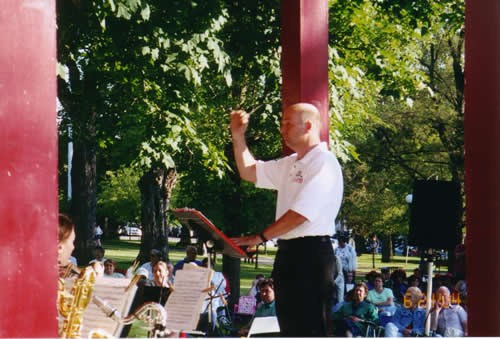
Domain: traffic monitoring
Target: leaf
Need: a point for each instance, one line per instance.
(62, 71)
(145, 13)
(123, 12)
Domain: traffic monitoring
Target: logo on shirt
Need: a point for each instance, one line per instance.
(299, 179)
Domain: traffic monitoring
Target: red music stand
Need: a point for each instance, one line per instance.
(205, 231)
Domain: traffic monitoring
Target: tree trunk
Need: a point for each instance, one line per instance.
(84, 198)
(156, 190)
(386, 248)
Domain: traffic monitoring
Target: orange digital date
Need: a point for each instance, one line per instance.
(454, 300)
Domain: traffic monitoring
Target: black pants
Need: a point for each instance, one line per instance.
(304, 270)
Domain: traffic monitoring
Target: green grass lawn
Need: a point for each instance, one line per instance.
(125, 251)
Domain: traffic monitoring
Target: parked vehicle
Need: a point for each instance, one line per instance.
(130, 230)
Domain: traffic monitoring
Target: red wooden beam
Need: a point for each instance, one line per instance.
(28, 169)
(482, 165)
(304, 60)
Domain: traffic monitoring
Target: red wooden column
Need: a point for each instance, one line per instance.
(482, 165)
(28, 169)
(304, 60)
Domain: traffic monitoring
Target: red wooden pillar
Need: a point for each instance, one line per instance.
(304, 60)
(482, 165)
(28, 169)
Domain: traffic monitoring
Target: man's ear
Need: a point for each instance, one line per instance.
(308, 124)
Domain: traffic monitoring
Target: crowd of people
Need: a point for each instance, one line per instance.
(393, 304)
(384, 303)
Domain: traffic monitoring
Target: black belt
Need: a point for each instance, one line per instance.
(302, 242)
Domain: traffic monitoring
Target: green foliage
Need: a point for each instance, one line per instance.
(119, 197)
(411, 125)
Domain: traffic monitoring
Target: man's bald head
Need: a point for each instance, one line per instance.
(307, 112)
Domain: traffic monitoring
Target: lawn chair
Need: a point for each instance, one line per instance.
(373, 329)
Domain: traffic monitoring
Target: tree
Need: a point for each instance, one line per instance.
(132, 68)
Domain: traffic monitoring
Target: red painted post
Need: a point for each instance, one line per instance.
(28, 169)
(304, 60)
(482, 165)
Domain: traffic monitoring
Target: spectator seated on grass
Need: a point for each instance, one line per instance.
(109, 269)
(399, 286)
(266, 308)
(190, 258)
(98, 255)
(370, 280)
(382, 297)
(350, 319)
(415, 281)
(409, 320)
(386, 273)
(448, 320)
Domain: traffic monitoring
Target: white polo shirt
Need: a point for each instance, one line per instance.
(311, 186)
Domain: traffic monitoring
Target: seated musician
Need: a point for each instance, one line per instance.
(409, 320)
(266, 308)
(350, 319)
(156, 290)
(109, 269)
(65, 245)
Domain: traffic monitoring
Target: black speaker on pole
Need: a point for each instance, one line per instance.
(435, 214)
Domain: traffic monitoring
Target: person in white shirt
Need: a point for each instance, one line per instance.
(109, 269)
(448, 320)
(347, 254)
(310, 186)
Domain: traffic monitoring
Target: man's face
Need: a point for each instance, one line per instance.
(292, 128)
(379, 284)
(65, 248)
(443, 297)
(109, 268)
(267, 294)
(191, 254)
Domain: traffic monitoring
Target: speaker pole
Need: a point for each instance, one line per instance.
(428, 304)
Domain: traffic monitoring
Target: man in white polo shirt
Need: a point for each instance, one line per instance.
(310, 185)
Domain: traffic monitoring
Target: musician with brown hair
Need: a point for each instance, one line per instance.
(65, 244)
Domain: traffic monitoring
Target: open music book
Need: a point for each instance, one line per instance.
(185, 303)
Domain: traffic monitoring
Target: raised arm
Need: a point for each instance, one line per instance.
(244, 159)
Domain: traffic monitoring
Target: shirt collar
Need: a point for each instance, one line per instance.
(321, 147)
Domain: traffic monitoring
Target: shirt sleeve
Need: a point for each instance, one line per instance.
(269, 173)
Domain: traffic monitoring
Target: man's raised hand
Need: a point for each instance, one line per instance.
(239, 123)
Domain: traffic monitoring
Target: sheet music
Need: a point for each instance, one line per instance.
(112, 290)
(185, 303)
(264, 325)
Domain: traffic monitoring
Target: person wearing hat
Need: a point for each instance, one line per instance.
(347, 254)
(409, 320)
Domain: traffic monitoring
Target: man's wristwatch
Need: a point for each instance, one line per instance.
(261, 235)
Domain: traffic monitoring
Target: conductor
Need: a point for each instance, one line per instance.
(310, 185)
